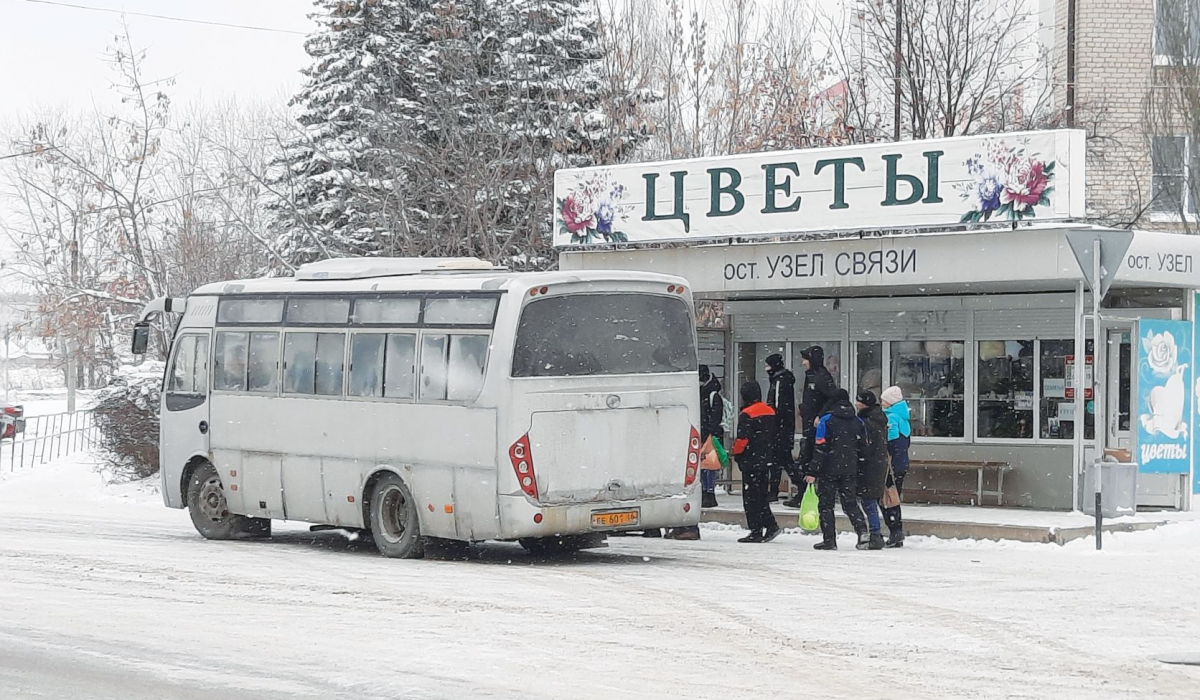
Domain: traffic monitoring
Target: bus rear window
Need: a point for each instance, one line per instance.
(597, 334)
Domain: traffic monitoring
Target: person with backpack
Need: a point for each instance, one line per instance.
(841, 446)
(754, 449)
(872, 471)
(781, 397)
(816, 397)
(899, 440)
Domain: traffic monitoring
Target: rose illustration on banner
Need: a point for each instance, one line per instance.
(1161, 352)
(1165, 402)
(1006, 182)
(592, 210)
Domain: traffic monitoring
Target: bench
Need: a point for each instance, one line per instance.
(962, 467)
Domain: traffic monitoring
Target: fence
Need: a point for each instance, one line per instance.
(48, 437)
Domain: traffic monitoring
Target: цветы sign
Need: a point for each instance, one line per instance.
(1035, 175)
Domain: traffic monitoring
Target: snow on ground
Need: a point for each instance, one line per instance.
(105, 594)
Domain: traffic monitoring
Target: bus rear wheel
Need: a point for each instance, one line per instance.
(395, 522)
(210, 511)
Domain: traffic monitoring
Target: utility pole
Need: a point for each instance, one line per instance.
(896, 50)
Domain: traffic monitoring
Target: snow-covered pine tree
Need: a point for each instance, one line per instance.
(335, 185)
(500, 93)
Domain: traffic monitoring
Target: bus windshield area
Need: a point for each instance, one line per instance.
(604, 334)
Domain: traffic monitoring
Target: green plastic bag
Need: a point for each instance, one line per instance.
(721, 453)
(810, 518)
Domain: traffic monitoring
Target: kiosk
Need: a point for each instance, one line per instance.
(1026, 344)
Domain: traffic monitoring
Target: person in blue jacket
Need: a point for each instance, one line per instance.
(899, 440)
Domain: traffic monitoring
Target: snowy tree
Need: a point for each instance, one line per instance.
(335, 185)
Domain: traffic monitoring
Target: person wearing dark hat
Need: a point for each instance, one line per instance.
(872, 471)
(841, 446)
(754, 449)
(781, 396)
(816, 397)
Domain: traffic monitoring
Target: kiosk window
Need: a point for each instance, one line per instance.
(1006, 389)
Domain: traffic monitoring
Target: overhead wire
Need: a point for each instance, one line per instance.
(231, 25)
(277, 30)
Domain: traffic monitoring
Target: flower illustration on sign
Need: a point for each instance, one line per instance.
(592, 210)
(1006, 182)
(1165, 402)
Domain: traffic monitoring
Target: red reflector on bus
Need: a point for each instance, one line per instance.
(687, 507)
(693, 458)
(537, 518)
(522, 462)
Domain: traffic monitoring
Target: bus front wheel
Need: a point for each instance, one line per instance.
(395, 523)
(210, 511)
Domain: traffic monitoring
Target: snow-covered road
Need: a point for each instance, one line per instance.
(106, 594)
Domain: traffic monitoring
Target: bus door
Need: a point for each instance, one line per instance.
(184, 420)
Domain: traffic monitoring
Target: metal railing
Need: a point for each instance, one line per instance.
(47, 438)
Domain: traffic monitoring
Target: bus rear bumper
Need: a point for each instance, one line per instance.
(517, 516)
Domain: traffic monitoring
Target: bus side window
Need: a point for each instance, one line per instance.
(400, 375)
(433, 366)
(230, 371)
(366, 364)
(468, 357)
(313, 363)
(264, 362)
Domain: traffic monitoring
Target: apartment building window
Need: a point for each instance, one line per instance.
(1174, 160)
(1177, 32)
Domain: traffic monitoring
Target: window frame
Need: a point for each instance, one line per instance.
(1185, 213)
(316, 331)
(418, 396)
(175, 401)
(386, 332)
(1037, 438)
(1037, 392)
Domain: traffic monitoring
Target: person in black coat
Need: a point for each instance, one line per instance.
(781, 396)
(712, 411)
(754, 449)
(872, 471)
(841, 446)
(815, 399)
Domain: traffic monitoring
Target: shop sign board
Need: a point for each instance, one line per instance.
(1163, 412)
(1025, 176)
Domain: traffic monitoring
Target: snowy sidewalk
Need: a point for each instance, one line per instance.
(974, 522)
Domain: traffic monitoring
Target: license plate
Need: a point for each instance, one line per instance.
(615, 518)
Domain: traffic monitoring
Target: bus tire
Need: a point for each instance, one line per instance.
(210, 511)
(395, 522)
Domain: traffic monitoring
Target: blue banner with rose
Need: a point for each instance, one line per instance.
(1165, 397)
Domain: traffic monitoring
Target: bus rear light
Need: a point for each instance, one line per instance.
(679, 289)
(687, 507)
(543, 290)
(693, 459)
(671, 289)
(533, 292)
(522, 461)
(537, 518)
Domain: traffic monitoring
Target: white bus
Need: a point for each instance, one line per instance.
(433, 398)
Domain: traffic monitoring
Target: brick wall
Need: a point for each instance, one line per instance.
(1114, 68)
